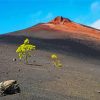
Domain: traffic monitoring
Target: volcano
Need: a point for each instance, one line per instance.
(61, 28)
(67, 28)
(78, 48)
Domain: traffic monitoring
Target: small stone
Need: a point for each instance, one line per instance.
(14, 59)
(98, 91)
(19, 70)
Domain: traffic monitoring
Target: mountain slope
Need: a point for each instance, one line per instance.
(63, 28)
(77, 46)
(70, 36)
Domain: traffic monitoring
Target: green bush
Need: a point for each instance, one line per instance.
(24, 50)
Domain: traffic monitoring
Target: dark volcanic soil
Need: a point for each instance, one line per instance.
(78, 79)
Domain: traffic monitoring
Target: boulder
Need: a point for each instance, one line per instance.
(9, 87)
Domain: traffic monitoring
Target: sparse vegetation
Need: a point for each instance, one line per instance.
(24, 50)
(56, 61)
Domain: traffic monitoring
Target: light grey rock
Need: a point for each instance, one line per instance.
(9, 87)
(14, 59)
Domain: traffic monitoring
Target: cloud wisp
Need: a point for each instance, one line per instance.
(96, 24)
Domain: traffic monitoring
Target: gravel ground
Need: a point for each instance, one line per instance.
(78, 79)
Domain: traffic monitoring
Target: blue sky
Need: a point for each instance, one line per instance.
(20, 14)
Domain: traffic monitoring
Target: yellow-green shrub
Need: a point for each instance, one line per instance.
(24, 50)
(56, 61)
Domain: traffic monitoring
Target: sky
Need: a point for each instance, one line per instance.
(20, 14)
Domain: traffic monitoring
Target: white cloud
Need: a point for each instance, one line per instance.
(95, 6)
(96, 24)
